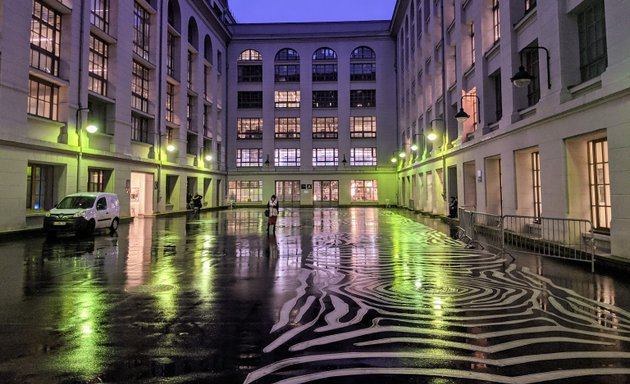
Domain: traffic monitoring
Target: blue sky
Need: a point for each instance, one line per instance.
(276, 11)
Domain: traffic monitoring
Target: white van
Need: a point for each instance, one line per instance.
(84, 212)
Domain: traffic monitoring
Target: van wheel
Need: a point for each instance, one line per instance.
(114, 226)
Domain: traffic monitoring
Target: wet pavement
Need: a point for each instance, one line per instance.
(360, 295)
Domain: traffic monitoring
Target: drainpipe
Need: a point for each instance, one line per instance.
(158, 183)
(444, 107)
(80, 106)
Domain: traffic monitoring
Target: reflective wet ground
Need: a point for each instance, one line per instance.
(360, 295)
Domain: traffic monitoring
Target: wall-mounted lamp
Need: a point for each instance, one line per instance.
(79, 130)
(522, 78)
(170, 147)
(208, 157)
(462, 116)
(431, 136)
(394, 158)
(267, 162)
(344, 162)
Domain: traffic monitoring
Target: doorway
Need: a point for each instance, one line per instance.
(141, 194)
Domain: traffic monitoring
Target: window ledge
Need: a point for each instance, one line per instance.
(494, 50)
(469, 72)
(585, 87)
(526, 20)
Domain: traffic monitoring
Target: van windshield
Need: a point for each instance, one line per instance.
(76, 202)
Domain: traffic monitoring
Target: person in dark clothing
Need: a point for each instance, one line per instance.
(272, 206)
(452, 207)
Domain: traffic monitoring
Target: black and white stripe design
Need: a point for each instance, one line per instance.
(407, 301)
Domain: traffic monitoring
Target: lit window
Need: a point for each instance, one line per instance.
(249, 128)
(326, 190)
(287, 157)
(99, 15)
(98, 65)
(364, 190)
(536, 185)
(98, 179)
(496, 21)
(141, 30)
(140, 87)
(325, 157)
(362, 156)
(245, 191)
(599, 180)
(325, 127)
(39, 186)
(249, 157)
(287, 127)
(45, 38)
(362, 126)
(287, 99)
(43, 99)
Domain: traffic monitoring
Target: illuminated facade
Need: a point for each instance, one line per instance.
(554, 148)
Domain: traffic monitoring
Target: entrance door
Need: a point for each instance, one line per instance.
(141, 194)
(288, 192)
(325, 192)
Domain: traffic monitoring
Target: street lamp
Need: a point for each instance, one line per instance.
(461, 116)
(431, 136)
(79, 131)
(522, 78)
(344, 162)
(267, 162)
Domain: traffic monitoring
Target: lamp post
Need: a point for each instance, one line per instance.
(431, 136)
(267, 162)
(344, 162)
(461, 116)
(79, 131)
(522, 78)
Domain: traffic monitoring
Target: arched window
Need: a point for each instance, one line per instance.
(287, 66)
(325, 65)
(207, 49)
(363, 64)
(250, 55)
(249, 66)
(193, 33)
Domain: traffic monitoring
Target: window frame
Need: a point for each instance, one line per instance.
(325, 157)
(287, 157)
(325, 127)
(249, 157)
(249, 128)
(361, 121)
(286, 127)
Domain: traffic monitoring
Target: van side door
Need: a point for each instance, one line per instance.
(103, 217)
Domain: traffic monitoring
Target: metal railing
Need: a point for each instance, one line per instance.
(561, 238)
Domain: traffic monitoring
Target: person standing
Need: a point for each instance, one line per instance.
(272, 206)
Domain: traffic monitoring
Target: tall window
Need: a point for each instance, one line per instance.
(363, 64)
(249, 157)
(190, 112)
(530, 56)
(249, 67)
(363, 98)
(592, 35)
(140, 87)
(496, 21)
(98, 179)
(599, 180)
(170, 54)
(45, 38)
(141, 29)
(43, 99)
(99, 14)
(325, 127)
(287, 157)
(245, 191)
(287, 127)
(39, 186)
(191, 144)
(326, 190)
(473, 52)
(249, 128)
(325, 65)
(287, 66)
(362, 126)
(364, 190)
(324, 99)
(498, 99)
(287, 99)
(170, 103)
(363, 156)
(325, 157)
(536, 185)
(140, 129)
(207, 132)
(98, 65)
(288, 190)
(250, 99)
(191, 69)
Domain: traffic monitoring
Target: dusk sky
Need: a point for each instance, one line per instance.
(277, 11)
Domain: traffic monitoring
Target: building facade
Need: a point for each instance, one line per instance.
(311, 112)
(555, 147)
(149, 75)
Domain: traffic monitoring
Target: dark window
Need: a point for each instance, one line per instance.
(363, 72)
(529, 5)
(325, 54)
(170, 103)
(141, 29)
(498, 106)
(191, 144)
(43, 99)
(324, 99)
(531, 65)
(252, 99)
(170, 54)
(39, 186)
(363, 53)
(287, 73)
(363, 98)
(98, 179)
(287, 54)
(98, 65)
(592, 34)
(140, 129)
(249, 73)
(496, 21)
(324, 72)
